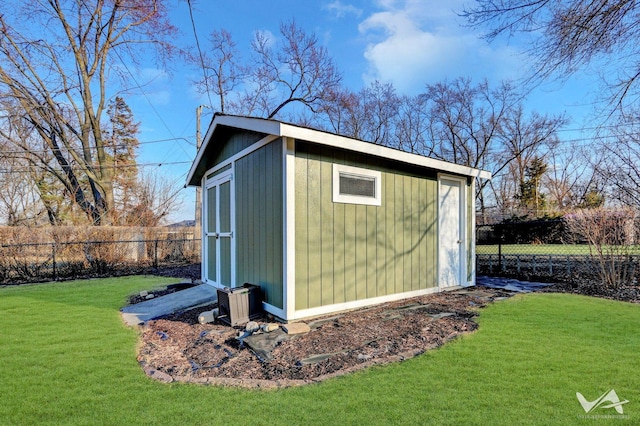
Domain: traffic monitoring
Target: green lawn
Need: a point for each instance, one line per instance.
(66, 358)
(546, 249)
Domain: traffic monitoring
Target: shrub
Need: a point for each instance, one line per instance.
(611, 235)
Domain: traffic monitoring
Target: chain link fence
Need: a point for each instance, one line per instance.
(39, 262)
(537, 250)
(542, 250)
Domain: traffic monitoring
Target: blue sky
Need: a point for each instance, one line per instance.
(409, 43)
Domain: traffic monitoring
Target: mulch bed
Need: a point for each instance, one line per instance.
(623, 293)
(178, 348)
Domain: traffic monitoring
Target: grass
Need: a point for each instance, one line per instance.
(67, 358)
(550, 249)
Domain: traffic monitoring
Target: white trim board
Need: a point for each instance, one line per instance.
(289, 227)
(346, 306)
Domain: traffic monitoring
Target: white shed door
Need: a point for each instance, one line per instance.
(451, 240)
(219, 244)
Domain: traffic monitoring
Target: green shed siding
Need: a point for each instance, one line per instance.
(235, 143)
(259, 204)
(347, 252)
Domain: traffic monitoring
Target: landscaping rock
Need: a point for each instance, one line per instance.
(296, 328)
(158, 375)
(206, 317)
(268, 328)
(442, 315)
(316, 358)
(252, 327)
(263, 344)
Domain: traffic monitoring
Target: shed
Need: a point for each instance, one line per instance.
(325, 223)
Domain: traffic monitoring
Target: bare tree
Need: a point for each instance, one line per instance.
(345, 113)
(465, 118)
(223, 68)
(18, 197)
(380, 111)
(292, 70)
(57, 84)
(569, 35)
(156, 197)
(411, 128)
(521, 138)
(486, 128)
(570, 181)
(464, 124)
(618, 165)
(370, 114)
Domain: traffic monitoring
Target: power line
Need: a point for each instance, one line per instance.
(93, 148)
(150, 103)
(142, 91)
(204, 69)
(111, 166)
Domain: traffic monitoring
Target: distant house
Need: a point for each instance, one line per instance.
(325, 223)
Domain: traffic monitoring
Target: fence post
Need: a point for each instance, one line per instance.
(155, 254)
(500, 255)
(53, 257)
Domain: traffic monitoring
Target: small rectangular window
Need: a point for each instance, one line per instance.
(354, 185)
(357, 185)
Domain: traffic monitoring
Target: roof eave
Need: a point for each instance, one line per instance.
(337, 141)
(247, 123)
(277, 128)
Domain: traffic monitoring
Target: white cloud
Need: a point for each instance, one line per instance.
(268, 36)
(341, 10)
(412, 44)
(154, 85)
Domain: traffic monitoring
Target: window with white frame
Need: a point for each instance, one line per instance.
(355, 185)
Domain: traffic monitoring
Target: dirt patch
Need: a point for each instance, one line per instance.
(178, 348)
(192, 271)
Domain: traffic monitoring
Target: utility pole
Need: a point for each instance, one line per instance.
(198, 188)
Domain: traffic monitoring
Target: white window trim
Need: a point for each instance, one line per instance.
(357, 172)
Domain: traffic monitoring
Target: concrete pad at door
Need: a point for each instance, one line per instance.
(142, 312)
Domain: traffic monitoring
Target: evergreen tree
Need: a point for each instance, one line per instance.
(592, 199)
(121, 144)
(530, 196)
